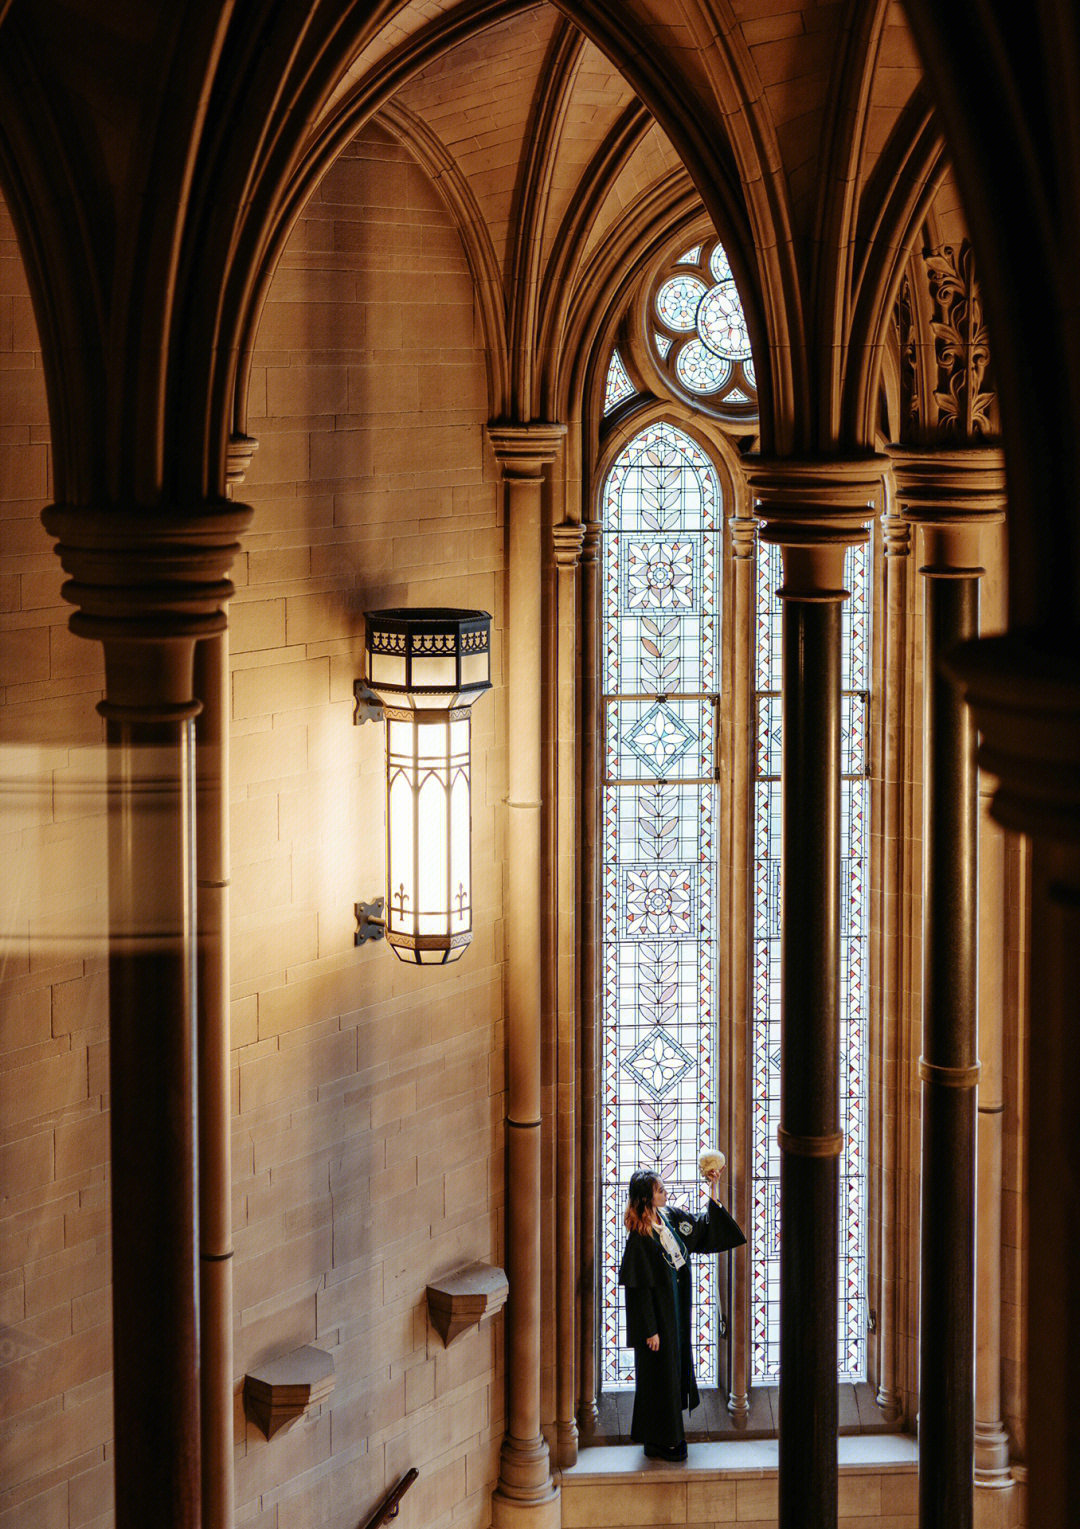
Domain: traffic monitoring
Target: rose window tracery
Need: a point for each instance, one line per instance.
(699, 335)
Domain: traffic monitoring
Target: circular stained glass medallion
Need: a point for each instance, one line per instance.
(677, 301)
(700, 368)
(721, 322)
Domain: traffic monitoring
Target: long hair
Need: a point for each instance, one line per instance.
(640, 1216)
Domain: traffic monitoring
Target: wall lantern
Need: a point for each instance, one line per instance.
(425, 668)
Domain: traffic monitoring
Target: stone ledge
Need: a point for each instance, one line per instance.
(858, 1454)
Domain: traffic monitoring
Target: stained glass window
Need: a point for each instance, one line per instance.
(618, 387)
(700, 332)
(661, 515)
(765, 1000)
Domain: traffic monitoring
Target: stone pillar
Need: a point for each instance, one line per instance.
(1025, 695)
(149, 584)
(992, 1445)
(952, 495)
(214, 1100)
(893, 1156)
(567, 539)
(214, 1054)
(740, 754)
(525, 1493)
(814, 511)
(589, 971)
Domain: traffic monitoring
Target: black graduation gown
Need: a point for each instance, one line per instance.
(658, 1301)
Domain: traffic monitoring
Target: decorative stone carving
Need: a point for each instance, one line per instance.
(286, 1388)
(961, 347)
(910, 400)
(465, 1298)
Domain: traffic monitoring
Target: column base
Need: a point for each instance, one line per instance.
(588, 1421)
(506, 1514)
(738, 1405)
(525, 1471)
(992, 1456)
(998, 1509)
(566, 1443)
(526, 1497)
(889, 1402)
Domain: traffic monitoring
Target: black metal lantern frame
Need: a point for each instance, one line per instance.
(426, 668)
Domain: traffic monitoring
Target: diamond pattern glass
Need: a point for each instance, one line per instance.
(765, 974)
(660, 652)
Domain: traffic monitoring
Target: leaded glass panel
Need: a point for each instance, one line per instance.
(617, 387)
(660, 653)
(765, 987)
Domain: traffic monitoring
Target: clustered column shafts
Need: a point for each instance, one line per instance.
(567, 541)
(149, 585)
(214, 1099)
(814, 511)
(1026, 704)
(525, 1492)
(743, 539)
(589, 948)
(896, 536)
(951, 494)
(949, 1069)
(809, 1134)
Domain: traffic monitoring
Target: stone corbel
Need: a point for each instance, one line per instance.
(465, 1298)
(287, 1388)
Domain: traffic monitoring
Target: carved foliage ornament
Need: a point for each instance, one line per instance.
(910, 403)
(962, 351)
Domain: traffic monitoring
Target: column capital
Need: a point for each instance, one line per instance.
(744, 533)
(815, 508)
(238, 455)
(568, 538)
(816, 498)
(896, 535)
(523, 451)
(149, 582)
(1026, 702)
(951, 492)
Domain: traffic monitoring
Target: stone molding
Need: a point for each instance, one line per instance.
(567, 539)
(523, 451)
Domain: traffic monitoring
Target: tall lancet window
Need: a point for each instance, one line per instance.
(660, 647)
(765, 985)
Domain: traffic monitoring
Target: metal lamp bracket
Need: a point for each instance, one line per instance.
(368, 707)
(370, 920)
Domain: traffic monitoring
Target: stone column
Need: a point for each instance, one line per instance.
(741, 755)
(814, 511)
(525, 1493)
(992, 1466)
(214, 1054)
(952, 495)
(1025, 694)
(588, 894)
(149, 583)
(894, 688)
(567, 539)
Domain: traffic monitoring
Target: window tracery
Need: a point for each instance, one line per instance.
(664, 952)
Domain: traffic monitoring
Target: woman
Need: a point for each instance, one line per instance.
(655, 1273)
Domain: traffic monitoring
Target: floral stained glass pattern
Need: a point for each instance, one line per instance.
(660, 664)
(702, 337)
(765, 1014)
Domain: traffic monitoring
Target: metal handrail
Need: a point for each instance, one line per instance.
(390, 1504)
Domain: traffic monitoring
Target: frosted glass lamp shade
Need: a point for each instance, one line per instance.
(427, 667)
